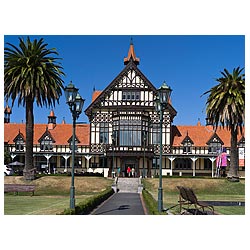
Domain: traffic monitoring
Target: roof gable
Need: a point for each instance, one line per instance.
(19, 137)
(129, 78)
(215, 138)
(46, 136)
(61, 133)
(187, 140)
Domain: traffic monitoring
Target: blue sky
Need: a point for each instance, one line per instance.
(189, 64)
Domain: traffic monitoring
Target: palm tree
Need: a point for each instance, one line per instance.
(31, 73)
(226, 108)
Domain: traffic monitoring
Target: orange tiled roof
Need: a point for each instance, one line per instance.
(96, 93)
(200, 135)
(61, 133)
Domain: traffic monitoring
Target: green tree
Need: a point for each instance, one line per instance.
(226, 108)
(32, 74)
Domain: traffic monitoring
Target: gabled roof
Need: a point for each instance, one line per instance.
(61, 133)
(46, 134)
(214, 138)
(200, 135)
(100, 96)
(187, 139)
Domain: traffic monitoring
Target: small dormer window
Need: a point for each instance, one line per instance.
(19, 142)
(46, 142)
(214, 144)
(187, 145)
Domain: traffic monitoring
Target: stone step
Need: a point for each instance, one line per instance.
(128, 185)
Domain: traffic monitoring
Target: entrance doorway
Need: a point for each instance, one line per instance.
(132, 163)
(132, 168)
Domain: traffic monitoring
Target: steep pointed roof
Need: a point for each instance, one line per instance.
(100, 95)
(131, 55)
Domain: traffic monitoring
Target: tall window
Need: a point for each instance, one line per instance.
(130, 133)
(155, 133)
(104, 132)
(130, 130)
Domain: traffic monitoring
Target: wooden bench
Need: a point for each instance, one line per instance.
(19, 188)
(188, 197)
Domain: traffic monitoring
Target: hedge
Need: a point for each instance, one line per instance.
(87, 206)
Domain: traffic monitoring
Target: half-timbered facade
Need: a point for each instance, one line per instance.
(124, 131)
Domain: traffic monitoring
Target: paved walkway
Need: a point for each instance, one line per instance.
(128, 200)
(122, 204)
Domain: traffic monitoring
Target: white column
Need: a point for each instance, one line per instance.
(194, 160)
(212, 159)
(88, 157)
(47, 156)
(171, 158)
(66, 157)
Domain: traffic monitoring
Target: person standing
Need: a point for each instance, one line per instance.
(128, 171)
(133, 172)
(223, 157)
(118, 171)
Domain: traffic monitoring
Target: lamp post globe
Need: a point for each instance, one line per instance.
(70, 93)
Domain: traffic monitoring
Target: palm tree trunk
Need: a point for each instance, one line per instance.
(29, 173)
(234, 161)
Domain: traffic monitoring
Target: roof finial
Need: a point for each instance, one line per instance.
(131, 54)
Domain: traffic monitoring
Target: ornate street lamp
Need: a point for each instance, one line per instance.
(161, 102)
(75, 102)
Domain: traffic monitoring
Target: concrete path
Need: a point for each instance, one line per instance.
(122, 204)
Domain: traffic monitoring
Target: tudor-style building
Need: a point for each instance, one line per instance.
(124, 132)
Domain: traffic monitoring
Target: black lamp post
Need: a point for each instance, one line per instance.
(161, 102)
(113, 154)
(144, 144)
(75, 102)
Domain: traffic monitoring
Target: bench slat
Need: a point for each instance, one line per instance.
(19, 188)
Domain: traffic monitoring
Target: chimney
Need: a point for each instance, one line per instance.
(51, 120)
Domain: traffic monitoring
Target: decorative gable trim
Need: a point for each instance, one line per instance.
(19, 137)
(187, 141)
(46, 136)
(116, 84)
(215, 139)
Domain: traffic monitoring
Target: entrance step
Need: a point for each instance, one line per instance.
(129, 185)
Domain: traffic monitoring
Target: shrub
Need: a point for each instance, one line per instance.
(89, 204)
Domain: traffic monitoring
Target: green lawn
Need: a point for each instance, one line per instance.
(206, 189)
(51, 194)
(47, 205)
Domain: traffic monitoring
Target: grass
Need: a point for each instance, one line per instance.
(51, 194)
(205, 188)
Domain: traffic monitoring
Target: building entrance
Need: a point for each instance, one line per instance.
(132, 165)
